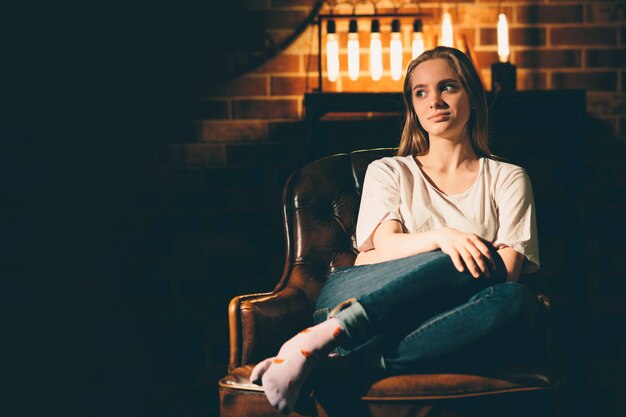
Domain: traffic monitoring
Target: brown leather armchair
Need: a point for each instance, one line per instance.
(320, 207)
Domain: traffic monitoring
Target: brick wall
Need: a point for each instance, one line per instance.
(554, 44)
(222, 173)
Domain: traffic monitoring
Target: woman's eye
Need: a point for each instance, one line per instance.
(420, 94)
(448, 87)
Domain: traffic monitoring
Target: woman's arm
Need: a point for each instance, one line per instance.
(466, 250)
(513, 260)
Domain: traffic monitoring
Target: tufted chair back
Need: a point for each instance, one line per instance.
(321, 205)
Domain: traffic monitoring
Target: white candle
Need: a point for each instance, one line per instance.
(447, 35)
(353, 56)
(332, 51)
(503, 38)
(376, 56)
(353, 51)
(395, 51)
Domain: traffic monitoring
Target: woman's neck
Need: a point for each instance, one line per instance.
(448, 156)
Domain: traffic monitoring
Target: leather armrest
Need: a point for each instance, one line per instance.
(260, 323)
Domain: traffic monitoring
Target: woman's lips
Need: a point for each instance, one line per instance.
(439, 117)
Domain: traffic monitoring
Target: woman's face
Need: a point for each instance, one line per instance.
(441, 103)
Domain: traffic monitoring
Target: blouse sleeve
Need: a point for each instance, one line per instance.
(517, 218)
(380, 201)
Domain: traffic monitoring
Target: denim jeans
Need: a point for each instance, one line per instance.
(408, 313)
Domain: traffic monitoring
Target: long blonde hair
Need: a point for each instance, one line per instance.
(414, 139)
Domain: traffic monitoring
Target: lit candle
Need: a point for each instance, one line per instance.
(353, 51)
(332, 52)
(503, 38)
(395, 49)
(503, 73)
(447, 36)
(418, 39)
(376, 52)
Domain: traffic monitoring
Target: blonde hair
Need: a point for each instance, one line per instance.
(414, 139)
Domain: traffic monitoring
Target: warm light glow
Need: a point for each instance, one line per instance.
(447, 35)
(376, 56)
(395, 51)
(353, 56)
(503, 38)
(418, 44)
(332, 56)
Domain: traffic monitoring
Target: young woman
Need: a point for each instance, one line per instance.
(444, 232)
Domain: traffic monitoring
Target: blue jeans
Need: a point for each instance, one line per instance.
(408, 313)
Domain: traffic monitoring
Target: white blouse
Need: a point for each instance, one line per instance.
(499, 206)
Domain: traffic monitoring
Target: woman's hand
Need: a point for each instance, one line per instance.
(466, 250)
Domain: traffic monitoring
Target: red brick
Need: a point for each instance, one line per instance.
(583, 36)
(485, 59)
(328, 86)
(290, 86)
(598, 58)
(517, 36)
(479, 15)
(549, 14)
(531, 80)
(591, 81)
(309, 62)
(606, 12)
(265, 109)
(555, 58)
(467, 34)
(280, 64)
(233, 130)
(242, 86)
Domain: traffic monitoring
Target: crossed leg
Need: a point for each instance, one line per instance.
(379, 288)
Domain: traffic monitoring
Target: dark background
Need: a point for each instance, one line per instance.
(90, 91)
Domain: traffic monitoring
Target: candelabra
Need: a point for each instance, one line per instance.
(395, 20)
